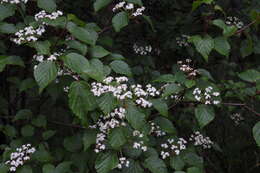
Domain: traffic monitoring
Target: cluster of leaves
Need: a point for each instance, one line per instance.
(34, 108)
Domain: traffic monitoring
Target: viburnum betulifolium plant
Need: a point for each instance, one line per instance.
(129, 86)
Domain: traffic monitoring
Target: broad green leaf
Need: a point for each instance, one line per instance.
(27, 131)
(96, 70)
(89, 138)
(165, 78)
(134, 117)
(3, 168)
(48, 5)
(250, 75)
(247, 48)
(177, 163)
(203, 45)
(76, 62)
(45, 73)
(10, 131)
(134, 167)
(194, 170)
(63, 167)
(81, 100)
(6, 10)
(40, 121)
(10, 60)
(121, 67)
(76, 20)
(107, 103)
(256, 133)
(205, 73)
(42, 47)
(161, 106)
(198, 3)
(25, 169)
(48, 134)
(7, 28)
(227, 30)
(222, 46)
(120, 20)
(42, 155)
(82, 48)
(98, 52)
(48, 168)
(106, 162)
(193, 159)
(99, 4)
(116, 138)
(165, 124)
(204, 114)
(23, 114)
(72, 143)
(172, 89)
(149, 21)
(155, 165)
(27, 84)
(86, 35)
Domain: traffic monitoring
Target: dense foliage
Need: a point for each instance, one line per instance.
(133, 86)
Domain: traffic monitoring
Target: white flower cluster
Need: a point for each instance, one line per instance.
(13, 1)
(43, 15)
(123, 162)
(105, 124)
(173, 147)
(142, 50)
(118, 87)
(66, 89)
(21, 155)
(208, 96)
(182, 41)
(28, 34)
(185, 67)
(156, 130)
(129, 7)
(139, 144)
(200, 140)
(235, 22)
(53, 57)
(237, 118)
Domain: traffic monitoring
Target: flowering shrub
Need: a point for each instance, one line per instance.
(129, 86)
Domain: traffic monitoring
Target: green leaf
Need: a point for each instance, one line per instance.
(204, 114)
(63, 167)
(177, 163)
(40, 121)
(48, 134)
(6, 10)
(250, 75)
(10, 60)
(45, 73)
(27, 131)
(256, 133)
(172, 89)
(48, 168)
(198, 3)
(106, 162)
(23, 114)
(120, 20)
(3, 168)
(42, 47)
(205, 73)
(27, 84)
(81, 100)
(98, 52)
(76, 62)
(247, 48)
(134, 117)
(116, 138)
(194, 170)
(155, 165)
(25, 169)
(10, 131)
(193, 159)
(89, 138)
(96, 70)
(134, 167)
(165, 124)
(99, 4)
(72, 143)
(203, 45)
(166, 78)
(161, 106)
(86, 35)
(222, 46)
(227, 30)
(48, 5)
(121, 67)
(7, 28)
(82, 48)
(107, 103)
(42, 156)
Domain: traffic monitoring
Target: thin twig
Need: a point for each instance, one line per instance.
(247, 26)
(243, 105)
